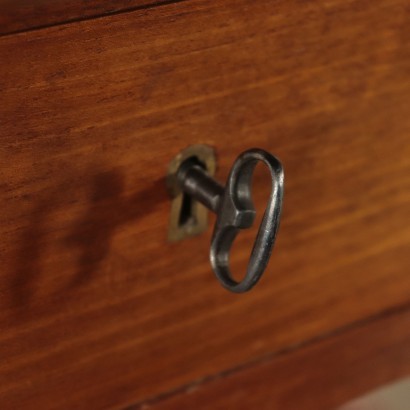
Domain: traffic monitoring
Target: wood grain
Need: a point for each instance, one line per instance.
(96, 308)
(22, 15)
(322, 375)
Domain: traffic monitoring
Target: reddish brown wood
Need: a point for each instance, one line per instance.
(96, 308)
(24, 15)
(321, 376)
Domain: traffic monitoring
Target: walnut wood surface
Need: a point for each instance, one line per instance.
(97, 309)
(319, 376)
(21, 15)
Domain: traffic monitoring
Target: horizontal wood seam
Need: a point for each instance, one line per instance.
(93, 17)
(396, 310)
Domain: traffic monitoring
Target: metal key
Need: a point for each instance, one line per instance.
(235, 211)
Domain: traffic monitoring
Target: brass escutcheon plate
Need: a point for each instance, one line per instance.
(198, 220)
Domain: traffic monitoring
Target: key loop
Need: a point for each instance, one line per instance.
(234, 208)
(236, 212)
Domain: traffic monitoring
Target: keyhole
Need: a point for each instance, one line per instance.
(188, 217)
(186, 214)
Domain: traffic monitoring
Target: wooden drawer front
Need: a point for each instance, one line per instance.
(97, 309)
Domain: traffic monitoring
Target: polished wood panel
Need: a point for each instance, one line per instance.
(320, 376)
(24, 15)
(96, 308)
